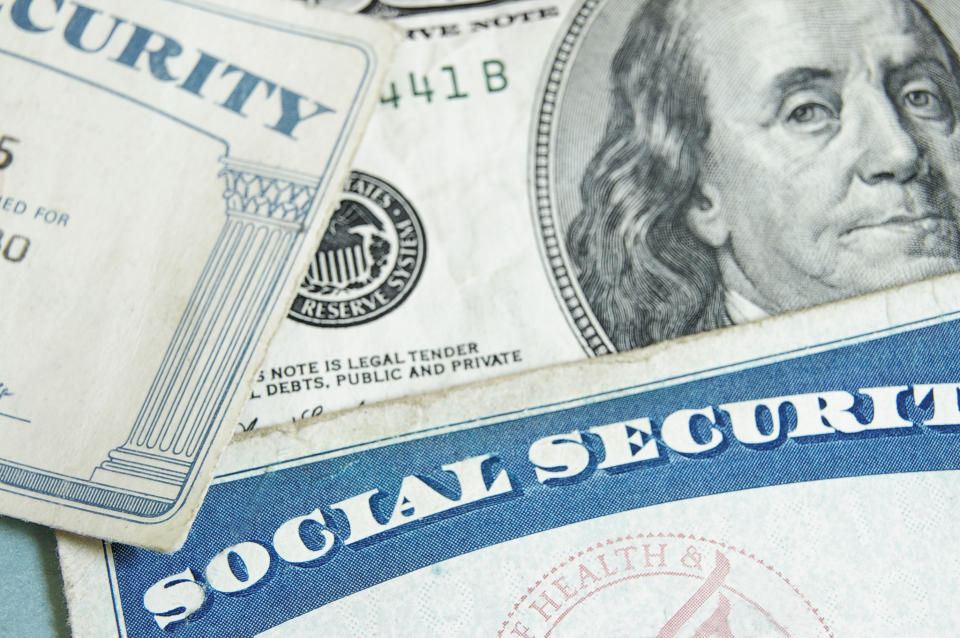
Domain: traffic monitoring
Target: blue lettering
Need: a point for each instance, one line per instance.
(78, 24)
(137, 46)
(244, 89)
(91, 30)
(290, 115)
(201, 71)
(20, 13)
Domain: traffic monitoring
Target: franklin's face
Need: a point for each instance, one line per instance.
(833, 162)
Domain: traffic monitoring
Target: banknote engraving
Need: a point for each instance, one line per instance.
(490, 74)
(458, 98)
(399, 8)
(372, 370)
(685, 585)
(756, 158)
(369, 260)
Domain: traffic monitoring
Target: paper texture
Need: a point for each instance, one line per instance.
(170, 170)
(763, 481)
(399, 8)
(543, 206)
(431, 258)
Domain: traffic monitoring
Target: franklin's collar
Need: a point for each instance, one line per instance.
(740, 309)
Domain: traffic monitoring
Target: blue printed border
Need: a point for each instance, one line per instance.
(592, 398)
(221, 522)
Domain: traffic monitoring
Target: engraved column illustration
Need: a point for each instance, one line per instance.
(266, 211)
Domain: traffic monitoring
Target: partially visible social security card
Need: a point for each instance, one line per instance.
(168, 168)
(795, 477)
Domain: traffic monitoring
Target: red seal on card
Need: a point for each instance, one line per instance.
(667, 586)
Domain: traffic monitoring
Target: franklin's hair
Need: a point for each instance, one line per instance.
(645, 274)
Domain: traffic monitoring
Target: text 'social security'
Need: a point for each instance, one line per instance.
(309, 540)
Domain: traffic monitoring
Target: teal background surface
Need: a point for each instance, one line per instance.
(31, 592)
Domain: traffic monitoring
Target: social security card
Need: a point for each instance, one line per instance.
(168, 167)
(795, 477)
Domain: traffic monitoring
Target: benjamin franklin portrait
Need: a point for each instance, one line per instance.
(763, 156)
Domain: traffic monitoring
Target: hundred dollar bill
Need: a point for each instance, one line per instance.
(545, 181)
(431, 253)
(168, 167)
(397, 8)
(793, 477)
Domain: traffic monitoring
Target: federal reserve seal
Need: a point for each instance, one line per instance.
(369, 260)
(663, 585)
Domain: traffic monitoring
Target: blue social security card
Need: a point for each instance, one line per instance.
(793, 477)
